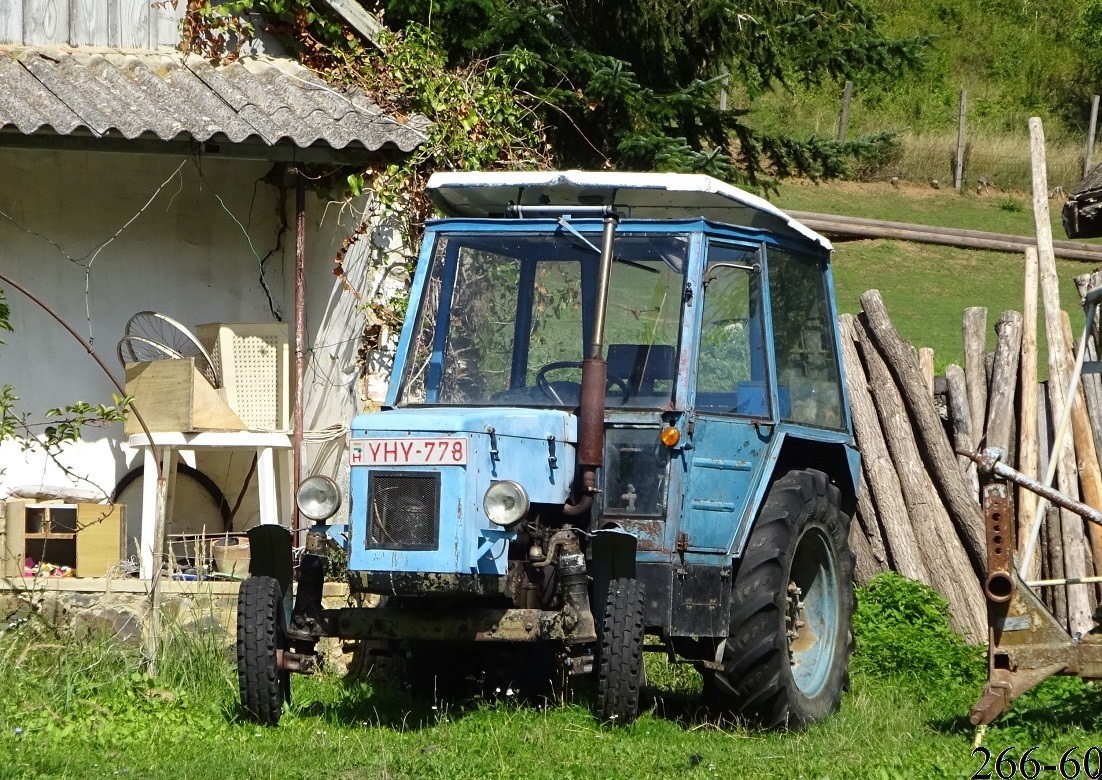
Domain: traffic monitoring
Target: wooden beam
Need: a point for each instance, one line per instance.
(960, 422)
(974, 333)
(358, 19)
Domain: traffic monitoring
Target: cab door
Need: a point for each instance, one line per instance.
(734, 400)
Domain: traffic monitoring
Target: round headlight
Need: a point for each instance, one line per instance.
(505, 502)
(318, 498)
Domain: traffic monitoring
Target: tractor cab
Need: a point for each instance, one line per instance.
(611, 390)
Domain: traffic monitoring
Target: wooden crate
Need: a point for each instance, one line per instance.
(172, 395)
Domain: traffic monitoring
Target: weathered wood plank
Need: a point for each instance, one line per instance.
(89, 22)
(130, 24)
(1074, 537)
(45, 21)
(11, 21)
(937, 453)
(164, 25)
(899, 536)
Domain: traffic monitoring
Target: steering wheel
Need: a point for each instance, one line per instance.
(548, 387)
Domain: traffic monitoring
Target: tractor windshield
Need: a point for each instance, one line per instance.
(506, 320)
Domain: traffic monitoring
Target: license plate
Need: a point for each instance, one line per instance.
(443, 451)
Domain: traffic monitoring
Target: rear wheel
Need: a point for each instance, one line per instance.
(620, 653)
(786, 661)
(261, 639)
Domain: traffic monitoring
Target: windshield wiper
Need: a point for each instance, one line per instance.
(565, 225)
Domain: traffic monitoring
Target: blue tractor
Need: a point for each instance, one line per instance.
(617, 410)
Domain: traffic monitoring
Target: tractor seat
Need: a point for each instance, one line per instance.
(642, 366)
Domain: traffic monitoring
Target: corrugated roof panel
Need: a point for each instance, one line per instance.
(169, 96)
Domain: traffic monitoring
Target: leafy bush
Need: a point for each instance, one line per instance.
(902, 631)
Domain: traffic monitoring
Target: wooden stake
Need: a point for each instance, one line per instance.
(1027, 432)
(974, 331)
(870, 524)
(1086, 458)
(900, 542)
(926, 366)
(1090, 136)
(960, 420)
(1074, 539)
(937, 452)
(1004, 381)
(843, 115)
(942, 552)
(958, 171)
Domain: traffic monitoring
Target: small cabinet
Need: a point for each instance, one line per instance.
(89, 538)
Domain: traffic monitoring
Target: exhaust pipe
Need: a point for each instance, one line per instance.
(591, 411)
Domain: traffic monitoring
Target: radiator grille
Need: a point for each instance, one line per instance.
(403, 511)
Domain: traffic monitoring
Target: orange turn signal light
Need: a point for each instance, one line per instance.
(670, 436)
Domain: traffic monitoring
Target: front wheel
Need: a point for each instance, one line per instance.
(786, 661)
(620, 653)
(261, 639)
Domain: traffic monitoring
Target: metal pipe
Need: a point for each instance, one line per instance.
(544, 210)
(591, 410)
(1072, 581)
(597, 343)
(1058, 442)
(300, 342)
(990, 461)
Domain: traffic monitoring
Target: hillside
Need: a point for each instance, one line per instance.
(927, 288)
(1016, 59)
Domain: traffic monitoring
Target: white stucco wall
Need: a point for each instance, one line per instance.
(183, 256)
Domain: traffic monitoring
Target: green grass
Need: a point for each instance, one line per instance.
(79, 709)
(926, 288)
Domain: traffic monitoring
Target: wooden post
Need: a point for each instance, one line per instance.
(1074, 539)
(869, 520)
(899, 536)
(974, 331)
(926, 366)
(963, 507)
(1051, 533)
(1092, 383)
(960, 420)
(1086, 457)
(958, 171)
(1090, 136)
(1004, 381)
(1028, 446)
(723, 90)
(843, 115)
(942, 553)
(864, 566)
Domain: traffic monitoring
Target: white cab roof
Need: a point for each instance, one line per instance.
(637, 195)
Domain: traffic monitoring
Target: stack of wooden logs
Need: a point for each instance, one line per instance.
(919, 509)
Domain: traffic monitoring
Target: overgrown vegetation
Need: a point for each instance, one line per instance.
(77, 708)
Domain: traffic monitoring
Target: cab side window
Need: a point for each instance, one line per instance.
(731, 370)
(809, 386)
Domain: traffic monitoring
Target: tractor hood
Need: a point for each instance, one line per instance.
(520, 423)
